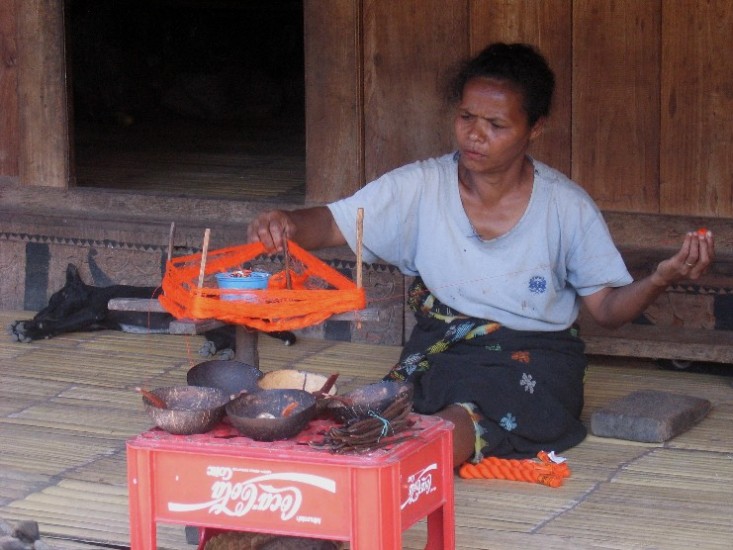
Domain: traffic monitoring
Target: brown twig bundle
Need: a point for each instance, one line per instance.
(372, 431)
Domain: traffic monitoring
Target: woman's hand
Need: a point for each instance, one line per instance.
(613, 307)
(272, 229)
(692, 260)
(311, 228)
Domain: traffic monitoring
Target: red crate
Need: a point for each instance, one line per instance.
(222, 481)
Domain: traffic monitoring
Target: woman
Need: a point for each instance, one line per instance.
(504, 250)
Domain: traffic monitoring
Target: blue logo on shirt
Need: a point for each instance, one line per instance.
(538, 284)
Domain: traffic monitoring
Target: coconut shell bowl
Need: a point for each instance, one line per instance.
(270, 415)
(232, 377)
(185, 410)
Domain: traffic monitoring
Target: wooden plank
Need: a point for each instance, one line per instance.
(333, 113)
(186, 327)
(616, 102)
(154, 306)
(546, 25)
(658, 342)
(697, 108)
(199, 326)
(144, 305)
(647, 239)
(177, 326)
(408, 46)
(42, 94)
(621, 346)
(664, 232)
(9, 137)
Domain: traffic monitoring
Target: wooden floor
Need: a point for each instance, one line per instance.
(258, 160)
(67, 406)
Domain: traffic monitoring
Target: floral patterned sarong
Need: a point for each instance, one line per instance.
(527, 386)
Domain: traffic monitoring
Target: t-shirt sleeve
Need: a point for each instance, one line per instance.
(345, 216)
(594, 262)
(389, 232)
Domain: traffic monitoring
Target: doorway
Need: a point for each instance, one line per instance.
(197, 98)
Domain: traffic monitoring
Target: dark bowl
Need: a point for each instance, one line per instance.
(367, 400)
(189, 409)
(260, 415)
(232, 377)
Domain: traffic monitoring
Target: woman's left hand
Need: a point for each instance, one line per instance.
(692, 260)
(613, 307)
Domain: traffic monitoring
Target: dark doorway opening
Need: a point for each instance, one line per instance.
(189, 97)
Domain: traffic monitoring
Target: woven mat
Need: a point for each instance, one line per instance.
(67, 406)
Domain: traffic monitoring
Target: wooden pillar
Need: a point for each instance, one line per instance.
(44, 130)
(8, 93)
(247, 350)
(334, 103)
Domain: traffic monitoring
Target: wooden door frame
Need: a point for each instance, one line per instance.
(44, 128)
(334, 104)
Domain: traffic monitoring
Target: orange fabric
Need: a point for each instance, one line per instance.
(545, 471)
(317, 290)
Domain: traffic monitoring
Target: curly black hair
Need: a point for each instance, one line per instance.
(520, 65)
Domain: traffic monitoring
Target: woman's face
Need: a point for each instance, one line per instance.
(491, 126)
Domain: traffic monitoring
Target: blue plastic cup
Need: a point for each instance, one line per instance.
(255, 280)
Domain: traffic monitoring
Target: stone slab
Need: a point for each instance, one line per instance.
(649, 416)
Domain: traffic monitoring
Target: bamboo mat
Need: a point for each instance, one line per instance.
(67, 406)
(264, 162)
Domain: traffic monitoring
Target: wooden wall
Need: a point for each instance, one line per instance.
(643, 117)
(696, 172)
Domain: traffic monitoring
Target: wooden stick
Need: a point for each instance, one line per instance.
(330, 381)
(155, 401)
(204, 251)
(171, 238)
(359, 243)
(286, 252)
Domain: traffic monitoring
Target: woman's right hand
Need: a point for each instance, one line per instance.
(311, 228)
(272, 228)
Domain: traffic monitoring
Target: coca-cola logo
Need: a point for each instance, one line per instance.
(275, 493)
(420, 483)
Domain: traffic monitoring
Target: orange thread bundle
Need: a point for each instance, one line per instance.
(546, 471)
(318, 291)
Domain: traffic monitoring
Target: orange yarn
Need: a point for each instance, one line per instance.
(545, 471)
(317, 291)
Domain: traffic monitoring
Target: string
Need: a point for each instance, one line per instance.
(386, 426)
(486, 279)
(480, 280)
(293, 311)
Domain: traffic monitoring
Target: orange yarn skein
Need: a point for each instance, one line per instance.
(318, 291)
(546, 471)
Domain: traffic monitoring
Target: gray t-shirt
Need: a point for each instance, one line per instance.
(527, 279)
